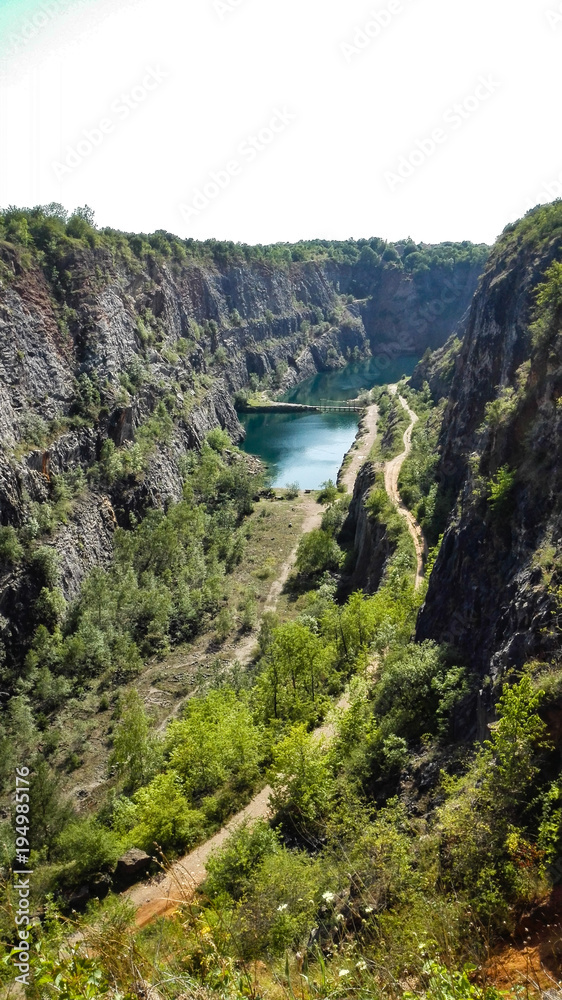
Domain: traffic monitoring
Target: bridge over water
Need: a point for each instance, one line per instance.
(330, 405)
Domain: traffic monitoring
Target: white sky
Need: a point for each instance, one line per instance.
(323, 174)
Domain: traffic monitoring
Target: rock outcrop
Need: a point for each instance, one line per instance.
(492, 592)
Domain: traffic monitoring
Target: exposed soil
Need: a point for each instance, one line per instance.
(533, 958)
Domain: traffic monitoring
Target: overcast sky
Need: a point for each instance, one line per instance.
(274, 120)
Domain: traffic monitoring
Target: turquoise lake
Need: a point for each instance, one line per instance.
(308, 448)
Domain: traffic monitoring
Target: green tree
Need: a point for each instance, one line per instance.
(300, 781)
(162, 816)
(230, 870)
(317, 552)
(136, 751)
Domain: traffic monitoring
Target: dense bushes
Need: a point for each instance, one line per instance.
(51, 234)
(167, 575)
(417, 691)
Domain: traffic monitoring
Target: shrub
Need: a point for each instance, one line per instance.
(484, 847)
(280, 908)
(136, 750)
(417, 691)
(162, 816)
(45, 564)
(318, 552)
(333, 518)
(300, 782)
(50, 812)
(88, 848)
(11, 550)
(217, 741)
(230, 870)
(500, 489)
(328, 492)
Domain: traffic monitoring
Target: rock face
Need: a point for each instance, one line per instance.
(104, 348)
(367, 538)
(492, 590)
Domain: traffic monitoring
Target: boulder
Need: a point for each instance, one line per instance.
(131, 866)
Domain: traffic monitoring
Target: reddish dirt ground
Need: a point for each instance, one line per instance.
(533, 957)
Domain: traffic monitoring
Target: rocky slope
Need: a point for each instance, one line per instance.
(494, 590)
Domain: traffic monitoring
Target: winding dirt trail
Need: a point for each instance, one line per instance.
(161, 898)
(391, 474)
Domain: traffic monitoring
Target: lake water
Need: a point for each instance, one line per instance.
(308, 448)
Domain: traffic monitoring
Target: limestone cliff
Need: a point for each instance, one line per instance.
(493, 592)
(119, 354)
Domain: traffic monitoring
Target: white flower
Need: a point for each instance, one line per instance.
(343, 972)
(339, 917)
(368, 909)
(328, 897)
(282, 907)
(362, 966)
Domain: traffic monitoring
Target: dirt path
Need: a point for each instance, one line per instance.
(160, 899)
(391, 473)
(156, 899)
(163, 898)
(368, 429)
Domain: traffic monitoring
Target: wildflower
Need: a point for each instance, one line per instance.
(343, 972)
(339, 917)
(362, 966)
(282, 907)
(368, 909)
(328, 897)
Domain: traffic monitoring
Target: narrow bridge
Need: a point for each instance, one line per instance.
(327, 407)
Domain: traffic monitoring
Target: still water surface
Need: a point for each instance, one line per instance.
(308, 448)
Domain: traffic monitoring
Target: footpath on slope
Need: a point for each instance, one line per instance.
(391, 474)
(156, 899)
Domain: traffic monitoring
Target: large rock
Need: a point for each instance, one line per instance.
(131, 867)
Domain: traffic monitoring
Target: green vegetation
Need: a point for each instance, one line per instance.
(353, 892)
(166, 583)
(393, 526)
(48, 235)
(430, 499)
(500, 489)
(393, 421)
(348, 889)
